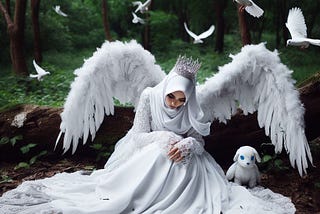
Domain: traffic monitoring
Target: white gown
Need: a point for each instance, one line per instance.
(139, 178)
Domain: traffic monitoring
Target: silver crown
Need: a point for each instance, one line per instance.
(187, 67)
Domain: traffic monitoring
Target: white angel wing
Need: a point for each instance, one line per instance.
(256, 80)
(120, 70)
(296, 23)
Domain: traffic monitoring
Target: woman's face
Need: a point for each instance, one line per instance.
(175, 99)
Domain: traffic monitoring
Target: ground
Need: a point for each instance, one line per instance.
(303, 191)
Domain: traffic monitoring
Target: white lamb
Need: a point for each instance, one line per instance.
(244, 171)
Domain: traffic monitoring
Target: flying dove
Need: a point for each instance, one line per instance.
(298, 30)
(137, 19)
(250, 7)
(141, 7)
(58, 11)
(197, 38)
(40, 72)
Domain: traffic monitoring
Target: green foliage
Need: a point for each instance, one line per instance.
(31, 160)
(12, 141)
(161, 21)
(25, 150)
(4, 178)
(52, 90)
(271, 161)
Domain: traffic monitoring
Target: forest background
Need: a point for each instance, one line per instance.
(32, 30)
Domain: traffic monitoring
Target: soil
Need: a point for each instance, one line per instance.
(303, 191)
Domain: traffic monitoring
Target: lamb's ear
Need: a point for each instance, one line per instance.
(257, 155)
(235, 158)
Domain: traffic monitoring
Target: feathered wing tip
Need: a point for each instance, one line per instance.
(117, 69)
(256, 80)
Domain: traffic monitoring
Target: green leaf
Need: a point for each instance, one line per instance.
(96, 146)
(5, 179)
(266, 158)
(4, 140)
(14, 140)
(33, 160)
(22, 165)
(26, 149)
(278, 163)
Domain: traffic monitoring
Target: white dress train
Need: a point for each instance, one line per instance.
(139, 178)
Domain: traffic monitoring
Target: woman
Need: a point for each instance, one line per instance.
(160, 166)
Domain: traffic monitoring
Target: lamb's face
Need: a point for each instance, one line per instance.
(246, 156)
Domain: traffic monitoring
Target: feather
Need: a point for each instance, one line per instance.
(258, 80)
(120, 70)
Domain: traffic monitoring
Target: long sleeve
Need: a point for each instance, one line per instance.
(193, 144)
(141, 131)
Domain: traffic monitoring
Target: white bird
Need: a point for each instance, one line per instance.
(58, 11)
(298, 30)
(197, 39)
(141, 7)
(250, 7)
(137, 19)
(40, 72)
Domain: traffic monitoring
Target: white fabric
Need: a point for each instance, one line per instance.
(144, 180)
(178, 120)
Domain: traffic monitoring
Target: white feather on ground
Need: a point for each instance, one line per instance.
(256, 80)
(120, 70)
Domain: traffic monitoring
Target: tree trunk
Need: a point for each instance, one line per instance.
(16, 33)
(8, 8)
(244, 31)
(146, 33)
(219, 9)
(104, 8)
(283, 20)
(35, 4)
(40, 125)
(314, 13)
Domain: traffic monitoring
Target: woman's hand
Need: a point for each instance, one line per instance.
(175, 154)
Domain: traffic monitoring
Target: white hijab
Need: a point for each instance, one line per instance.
(181, 119)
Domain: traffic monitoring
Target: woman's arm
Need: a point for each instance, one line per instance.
(183, 151)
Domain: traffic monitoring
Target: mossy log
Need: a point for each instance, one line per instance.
(40, 125)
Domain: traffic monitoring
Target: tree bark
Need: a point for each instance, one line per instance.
(244, 30)
(16, 33)
(104, 8)
(219, 9)
(146, 33)
(35, 4)
(41, 126)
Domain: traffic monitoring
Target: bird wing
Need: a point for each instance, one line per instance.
(207, 33)
(39, 70)
(256, 80)
(296, 23)
(313, 41)
(254, 10)
(120, 70)
(189, 32)
(146, 3)
(136, 3)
